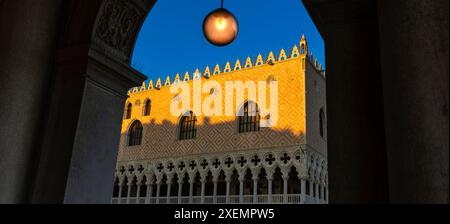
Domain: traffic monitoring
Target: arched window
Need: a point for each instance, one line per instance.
(188, 127)
(322, 123)
(147, 107)
(249, 118)
(135, 134)
(128, 111)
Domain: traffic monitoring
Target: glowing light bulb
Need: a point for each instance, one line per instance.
(221, 23)
(220, 27)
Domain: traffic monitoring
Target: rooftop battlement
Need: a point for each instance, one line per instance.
(208, 73)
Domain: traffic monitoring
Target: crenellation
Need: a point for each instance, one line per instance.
(260, 60)
(168, 82)
(227, 68)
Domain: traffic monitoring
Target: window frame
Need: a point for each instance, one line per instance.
(128, 111)
(246, 123)
(188, 127)
(147, 108)
(135, 135)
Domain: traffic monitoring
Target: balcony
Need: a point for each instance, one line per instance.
(234, 199)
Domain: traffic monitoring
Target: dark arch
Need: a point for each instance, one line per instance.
(135, 133)
(116, 188)
(188, 126)
(147, 107)
(128, 111)
(249, 118)
(322, 120)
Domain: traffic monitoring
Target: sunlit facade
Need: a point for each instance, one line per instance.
(192, 158)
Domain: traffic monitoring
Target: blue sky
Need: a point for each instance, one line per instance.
(171, 40)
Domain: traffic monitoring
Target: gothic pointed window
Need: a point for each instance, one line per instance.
(128, 111)
(188, 126)
(322, 123)
(135, 134)
(147, 107)
(249, 118)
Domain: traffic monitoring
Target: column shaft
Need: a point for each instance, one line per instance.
(215, 193)
(255, 191)
(303, 191)
(191, 192)
(158, 191)
(203, 193)
(228, 192)
(270, 199)
(241, 191)
(180, 191)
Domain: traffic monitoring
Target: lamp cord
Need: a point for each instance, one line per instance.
(222, 4)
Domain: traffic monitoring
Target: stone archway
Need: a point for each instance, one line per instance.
(57, 143)
(76, 98)
(103, 79)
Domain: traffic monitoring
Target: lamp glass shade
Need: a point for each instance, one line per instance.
(220, 27)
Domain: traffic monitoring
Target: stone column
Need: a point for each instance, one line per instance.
(317, 192)
(215, 180)
(158, 190)
(28, 41)
(285, 188)
(357, 156)
(255, 189)
(322, 192)
(191, 190)
(270, 180)
(414, 69)
(180, 188)
(311, 189)
(241, 188)
(169, 188)
(129, 184)
(120, 192)
(148, 199)
(138, 193)
(228, 180)
(303, 190)
(203, 181)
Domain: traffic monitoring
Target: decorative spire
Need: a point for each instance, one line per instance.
(217, 70)
(187, 78)
(259, 60)
(271, 59)
(248, 63)
(150, 85)
(295, 52)
(227, 68)
(303, 46)
(197, 74)
(237, 66)
(168, 82)
(207, 72)
(282, 56)
(177, 79)
(158, 84)
(143, 87)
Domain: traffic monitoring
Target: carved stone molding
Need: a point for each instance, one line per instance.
(118, 25)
